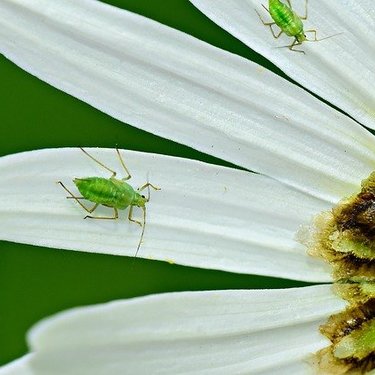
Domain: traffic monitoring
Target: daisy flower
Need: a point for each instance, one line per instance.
(307, 155)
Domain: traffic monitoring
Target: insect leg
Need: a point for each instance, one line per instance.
(265, 8)
(114, 217)
(97, 161)
(123, 165)
(72, 196)
(147, 184)
(295, 43)
(131, 218)
(301, 17)
(274, 35)
(264, 22)
(316, 38)
(270, 25)
(305, 16)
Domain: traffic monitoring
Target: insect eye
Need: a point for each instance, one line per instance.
(143, 196)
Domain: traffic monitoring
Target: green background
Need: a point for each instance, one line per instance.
(37, 282)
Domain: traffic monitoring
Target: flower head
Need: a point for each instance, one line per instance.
(141, 72)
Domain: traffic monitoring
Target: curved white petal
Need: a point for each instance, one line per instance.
(204, 215)
(339, 69)
(20, 366)
(171, 84)
(220, 332)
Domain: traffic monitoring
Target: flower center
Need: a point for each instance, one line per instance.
(352, 333)
(345, 237)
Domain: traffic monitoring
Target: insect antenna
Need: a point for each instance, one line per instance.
(99, 162)
(291, 47)
(143, 231)
(144, 218)
(146, 185)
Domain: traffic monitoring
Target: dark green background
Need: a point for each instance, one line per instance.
(37, 282)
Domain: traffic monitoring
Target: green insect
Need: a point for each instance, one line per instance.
(289, 23)
(111, 192)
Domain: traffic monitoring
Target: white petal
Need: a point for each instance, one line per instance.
(171, 84)
(220, 332)
(204, 215)
(340, 69)
(20, 366)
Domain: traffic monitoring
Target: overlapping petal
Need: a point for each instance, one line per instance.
(216, 332)
(204, 215)
(171, 84)
(339, 69)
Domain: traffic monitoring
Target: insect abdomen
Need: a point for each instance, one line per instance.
(108, 192)
(285, 18)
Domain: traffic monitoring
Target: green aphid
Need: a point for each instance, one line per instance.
(289, 23)
(111, 192)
